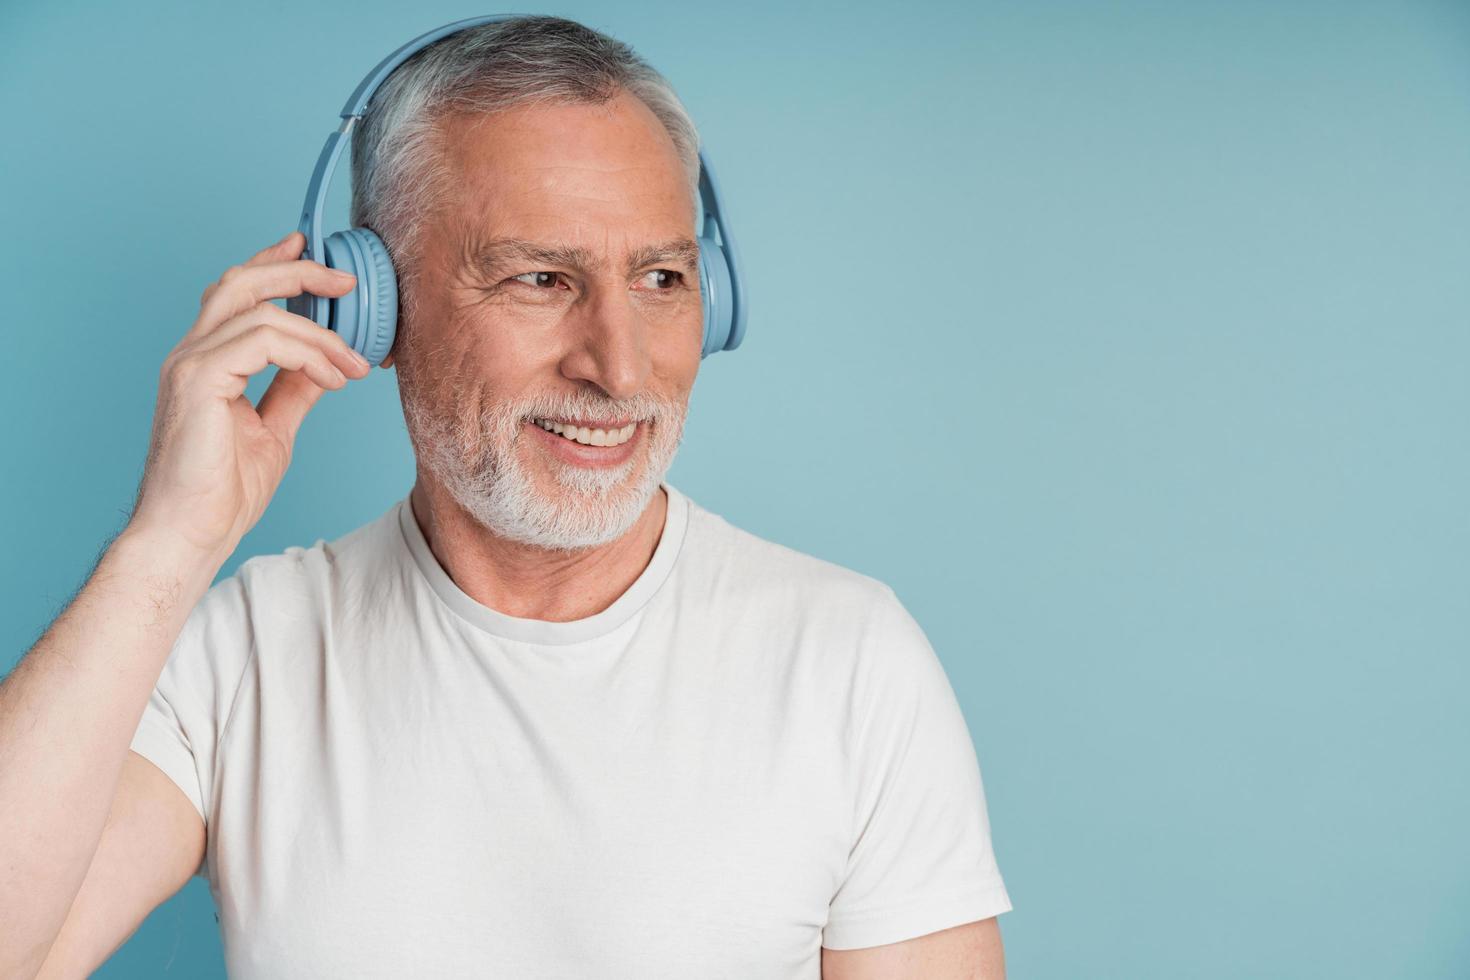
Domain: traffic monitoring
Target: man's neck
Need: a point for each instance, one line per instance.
(528, 582)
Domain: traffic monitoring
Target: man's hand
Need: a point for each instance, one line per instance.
(215, 460)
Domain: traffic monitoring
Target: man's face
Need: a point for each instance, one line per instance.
(557, 286)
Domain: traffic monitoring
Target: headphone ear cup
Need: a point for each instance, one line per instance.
(366, 318)
(715, 295)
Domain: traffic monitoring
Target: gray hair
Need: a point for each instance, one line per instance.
(397, 148)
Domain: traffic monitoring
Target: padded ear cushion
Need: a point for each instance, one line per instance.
(367, 317)
(716, 296)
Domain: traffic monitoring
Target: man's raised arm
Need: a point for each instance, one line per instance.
(69, 709)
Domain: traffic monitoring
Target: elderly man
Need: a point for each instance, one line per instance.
(546, 716)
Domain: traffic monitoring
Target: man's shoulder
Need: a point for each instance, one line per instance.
(744, 563)
(307, 574)
(849, 619)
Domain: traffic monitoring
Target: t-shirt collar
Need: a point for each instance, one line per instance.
(538, 630)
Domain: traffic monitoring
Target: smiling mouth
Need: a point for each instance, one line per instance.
(588, 435)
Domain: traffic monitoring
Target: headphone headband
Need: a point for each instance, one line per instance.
(357, 103)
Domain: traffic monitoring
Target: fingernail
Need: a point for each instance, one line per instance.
(344, 275)
(360, 359)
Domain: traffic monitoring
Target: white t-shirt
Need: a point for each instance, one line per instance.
(750, 754)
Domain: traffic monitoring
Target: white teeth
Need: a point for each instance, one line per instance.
(590, 437)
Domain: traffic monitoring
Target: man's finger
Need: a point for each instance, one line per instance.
(241, 287)
(287, 248)
(285, 403)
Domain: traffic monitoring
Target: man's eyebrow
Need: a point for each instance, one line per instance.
(680, 251)
(498, 254)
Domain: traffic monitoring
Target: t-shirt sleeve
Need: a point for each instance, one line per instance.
(921, 857)
(188, 708)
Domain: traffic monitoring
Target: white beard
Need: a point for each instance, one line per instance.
(479, 463)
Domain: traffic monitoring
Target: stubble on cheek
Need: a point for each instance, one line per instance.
(439, 432)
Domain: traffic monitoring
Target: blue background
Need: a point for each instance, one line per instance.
(1127, 342)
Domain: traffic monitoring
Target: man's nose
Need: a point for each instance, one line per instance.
(611, 349)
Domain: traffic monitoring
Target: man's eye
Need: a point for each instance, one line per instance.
(541, 280)
(664, 278)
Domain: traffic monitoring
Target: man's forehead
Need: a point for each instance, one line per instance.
(530, 171)
(499, 254)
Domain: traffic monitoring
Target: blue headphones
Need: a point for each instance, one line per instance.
(367, 317)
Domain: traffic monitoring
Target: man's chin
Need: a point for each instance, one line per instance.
(585, 516)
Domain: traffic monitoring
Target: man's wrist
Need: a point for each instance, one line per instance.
(171, 566)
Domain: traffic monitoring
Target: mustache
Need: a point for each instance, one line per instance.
(589, 406)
